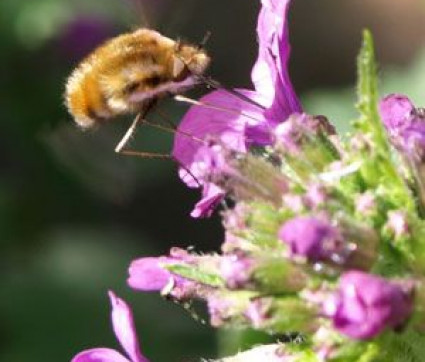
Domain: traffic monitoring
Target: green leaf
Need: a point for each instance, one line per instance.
(193, 273)
(367, 93)
(378, 164)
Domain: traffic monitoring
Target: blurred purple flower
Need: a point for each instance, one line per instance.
(365, 203)
(366, 304)
(316, 195)
(257, 311)
(220, 309)
(405, 125)
(125, 331)
(398, 223)
(310, 237)
(236, 270)
(82, 34)
(234, 122)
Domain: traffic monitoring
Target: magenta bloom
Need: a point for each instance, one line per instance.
(236, 270)
(405, 125)
(123, 325)
(310, 237)
(270, 72)
(234, 122)
(367, 304)
(150, 275)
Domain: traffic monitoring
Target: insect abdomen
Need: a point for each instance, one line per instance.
(85, 99)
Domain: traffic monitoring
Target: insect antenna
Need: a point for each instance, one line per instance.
(204, 41)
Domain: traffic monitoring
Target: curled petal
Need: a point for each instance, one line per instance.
(212, 195)
(309, 237)
(270, 72)
(125, 331)
(99, 355)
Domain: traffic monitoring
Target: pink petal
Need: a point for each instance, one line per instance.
(99, 355)
(211, 196)
(395, 110)
(123, 324)
(270, 72)
(226, 125)
(148, 275)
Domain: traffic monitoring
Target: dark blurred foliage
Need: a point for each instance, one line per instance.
(73, 214)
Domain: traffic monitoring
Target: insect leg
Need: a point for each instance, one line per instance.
(217, 85)
(130, 131)
(146, 154)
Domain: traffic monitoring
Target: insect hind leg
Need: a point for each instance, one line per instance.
(137, 120)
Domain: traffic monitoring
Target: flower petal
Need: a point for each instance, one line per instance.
(395, 111)
(123, 324)
(225, 119)
(147, 274)
(99, 355)
(211, 196)
(367, 304)
(270, 72)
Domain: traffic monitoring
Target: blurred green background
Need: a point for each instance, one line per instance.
(73, 214)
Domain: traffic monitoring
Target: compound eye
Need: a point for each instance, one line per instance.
(180, 69)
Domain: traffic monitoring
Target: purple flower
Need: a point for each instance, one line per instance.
(316, 195)
(212, 195)
(405, 125)
(257, 311)
(150, 275)
(366, 304)
(232, 121)
(270, 72)
(236, 270)
(366, 203)
(310, 237)
(123, 325)
(220, 309)
(398, 223)
(147, 274)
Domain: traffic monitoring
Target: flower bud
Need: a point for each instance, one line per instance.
(405, 126)
(311, 238)
(366, 304)
(149, 274)
(398, 224)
